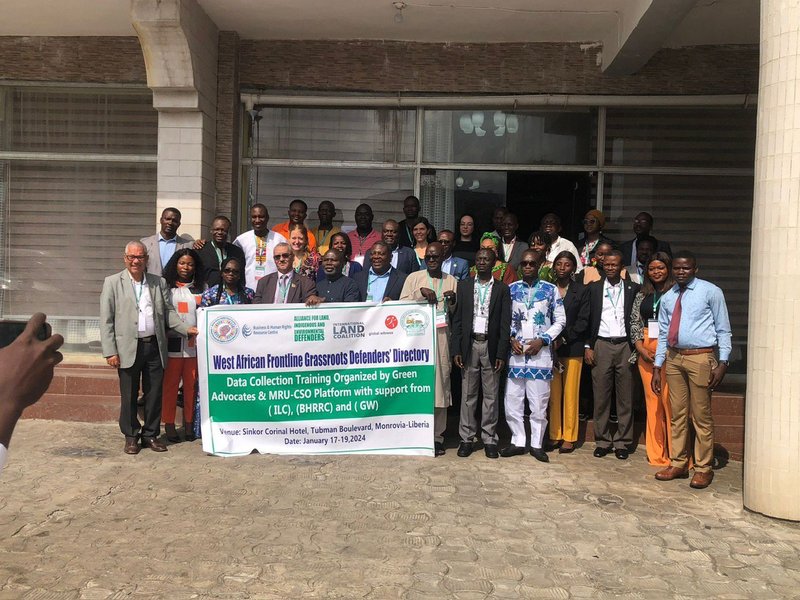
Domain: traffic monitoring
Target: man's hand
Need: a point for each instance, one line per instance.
(386, 299)
(458, 360)
(428, 294)
(192, 331)
(113, 361)
(655, 383)
(534, 347)
(198, 244)
(516, 347)
(498, 365)
(449, 296)
(314, 300)
(716, 376)
(588, 356)
(26, 370)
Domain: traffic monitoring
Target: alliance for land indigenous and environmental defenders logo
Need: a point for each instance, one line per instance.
(224, 329)
(414, 322)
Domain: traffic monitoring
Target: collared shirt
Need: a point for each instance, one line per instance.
(376, 285)
(282, 287)
(612, 319)
(704, 319)
(361, 245)
(144, 304)
(341, 289)
(481, 296)
(447, 265)
(166, 248)
(393, 262)
(559, 246)
(508, 249)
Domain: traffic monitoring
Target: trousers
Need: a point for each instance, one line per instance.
(147, 368)
(479, 370)
(564, 398)
(179, 369)
(612, 374)
(538, 393)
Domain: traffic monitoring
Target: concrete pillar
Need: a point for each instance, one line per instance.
(180, 42)
(772, 418)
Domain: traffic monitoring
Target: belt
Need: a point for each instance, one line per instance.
(147, 340)
(480, 337)
(613, 340)
(692, 351)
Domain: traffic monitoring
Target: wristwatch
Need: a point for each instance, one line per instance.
(724, 362)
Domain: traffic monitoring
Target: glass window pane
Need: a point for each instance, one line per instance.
(682, 207)
(383, 189)
(446, 195)
(335, 134)
(66, 229)
(494, 137)
(81, 121)
(666, 137)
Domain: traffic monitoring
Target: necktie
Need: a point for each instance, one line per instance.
(283, 291)
(675, 323)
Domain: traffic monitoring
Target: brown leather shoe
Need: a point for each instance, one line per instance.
(701, 479)
(671, 473)
(131, 445)
(153, 444)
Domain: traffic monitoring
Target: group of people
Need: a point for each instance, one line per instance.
(536, 311)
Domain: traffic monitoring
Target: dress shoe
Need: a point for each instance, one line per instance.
(153, 444)
(701, 480)
(566, 448)
(621, 453)
(491, 451)
(464, 449)
(131, 445)
(188, 432)
(540, 455)
(438, 448)
(512, 450)
(172, 433)
(601, 452)
(671, 473)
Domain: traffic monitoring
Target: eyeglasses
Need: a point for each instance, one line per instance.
(231, 271)
(135, 257)
(445, 242)
(587, 221)
(527, 263)
(433, 257)
(284, 256)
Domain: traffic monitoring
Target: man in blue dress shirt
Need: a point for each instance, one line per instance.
(693, 326)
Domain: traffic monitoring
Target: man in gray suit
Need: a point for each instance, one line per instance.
(285, 286)
(135, 311)
(162, 245)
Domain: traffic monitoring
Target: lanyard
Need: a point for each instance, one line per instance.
(531, 297)
(220, 253)
(614, 301)
(482, 289)
(138, 297)
(656, 304)
(439, 290)
(321, 242)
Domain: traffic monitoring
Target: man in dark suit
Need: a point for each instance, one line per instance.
(218, 249)
(642, 225)
(512, 247)
(285, 286)
(380, 282)
(403, 258)
(479, 342)
(161, 246)
(452, 265)
(608, 350)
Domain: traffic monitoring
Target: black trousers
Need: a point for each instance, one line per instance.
(148, 368)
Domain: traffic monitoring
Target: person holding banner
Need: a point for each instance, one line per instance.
(438, 288)
(537, 319)
(480, 343)
(335, 287)
(285, 286)
(381, 282)
(231, 290)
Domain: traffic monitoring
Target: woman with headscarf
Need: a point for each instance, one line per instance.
(593, 223)
(501, 271)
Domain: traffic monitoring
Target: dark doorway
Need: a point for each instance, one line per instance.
(531, 195)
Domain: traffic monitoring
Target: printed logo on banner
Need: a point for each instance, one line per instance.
(247, 331)
(391, 322)
(224, 329)
(414, 322)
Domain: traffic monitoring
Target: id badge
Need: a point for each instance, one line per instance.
(260, 271)
(652, 329)
(441, 319)
(142, 322)
(527, 330)
(479, 326)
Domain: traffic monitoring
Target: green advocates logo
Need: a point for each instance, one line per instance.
(415, 322)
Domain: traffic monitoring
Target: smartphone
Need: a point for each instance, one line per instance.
(11, 330)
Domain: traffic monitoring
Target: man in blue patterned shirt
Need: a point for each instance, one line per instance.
(537, 318)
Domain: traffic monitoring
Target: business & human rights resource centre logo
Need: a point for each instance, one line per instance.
(224, 329)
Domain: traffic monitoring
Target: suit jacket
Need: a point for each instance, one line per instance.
(154, 265)
(119, 317)
(211, 263)
(406, 260)
(464, 316)
(627, 249)
(393, 287)
(594, 297)
(458, 268)
(300, 289)
(516, 252)
(576, 308)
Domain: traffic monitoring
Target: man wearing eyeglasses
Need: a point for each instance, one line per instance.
(285, 286)
(438, 288)
(135, 311)
(452, 265)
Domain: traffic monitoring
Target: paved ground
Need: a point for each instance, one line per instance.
(79, 519)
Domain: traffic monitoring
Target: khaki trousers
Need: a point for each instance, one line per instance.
(687, 378)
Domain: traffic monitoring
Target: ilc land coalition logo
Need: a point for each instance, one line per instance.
(414, 322)
(224, 329)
